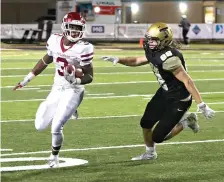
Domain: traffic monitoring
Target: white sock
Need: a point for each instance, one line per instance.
(150, 149)
(54, 156)
(184, 123)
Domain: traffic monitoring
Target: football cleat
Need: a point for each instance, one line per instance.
(145, 156)
(192, 122)
(53, 161)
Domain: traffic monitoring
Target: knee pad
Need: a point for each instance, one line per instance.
(38, 125)
(146, 124)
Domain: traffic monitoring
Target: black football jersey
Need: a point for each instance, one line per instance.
(162, 63)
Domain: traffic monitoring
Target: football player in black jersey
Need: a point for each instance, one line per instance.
(174, 97)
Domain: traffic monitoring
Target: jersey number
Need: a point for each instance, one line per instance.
(164, 56)
(65, 63)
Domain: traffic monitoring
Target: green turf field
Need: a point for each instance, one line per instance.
(108, 134)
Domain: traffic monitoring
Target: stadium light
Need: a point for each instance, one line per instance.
(183, 7)
(97, 9)
(134, 8)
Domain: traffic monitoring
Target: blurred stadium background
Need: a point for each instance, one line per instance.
(108, 132)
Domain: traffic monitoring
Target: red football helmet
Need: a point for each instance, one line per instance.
(73, 26)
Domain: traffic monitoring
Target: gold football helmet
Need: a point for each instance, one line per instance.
(161, 33)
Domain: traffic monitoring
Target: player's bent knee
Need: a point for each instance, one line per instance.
(145, 124)
(43, 119)
(40, 123)
(38, 126)
(157, 138)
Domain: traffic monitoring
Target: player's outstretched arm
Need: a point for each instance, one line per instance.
(182, 75)
(127, 61)
(38, 68)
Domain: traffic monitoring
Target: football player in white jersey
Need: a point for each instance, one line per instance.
(67, 91)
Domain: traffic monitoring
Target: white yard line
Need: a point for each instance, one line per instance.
(215, 103)
(13, 76)
(119, 83)
(6, 150)
(23, 68)
(86, 118)
(113, 147)
(208, 93)
(100, 94)
(24, 89)
(43, 90)
(102, 97)
(86, 98)
(27, 100)
(111, 49)
(109, 96)
(116, 73)
(5, 49)
(205, 53)
(204, 71)
(27, 86)
(85, 94)
(189, 65)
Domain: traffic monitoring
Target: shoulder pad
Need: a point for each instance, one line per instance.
(52, 39)
(176, 51)
(172, 63)
(51, 42)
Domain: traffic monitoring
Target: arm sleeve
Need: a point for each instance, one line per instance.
(87, 55)
(172, 63)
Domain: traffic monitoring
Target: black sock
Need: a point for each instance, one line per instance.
(55, 150)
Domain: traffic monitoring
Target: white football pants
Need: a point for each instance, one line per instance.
(58, 108)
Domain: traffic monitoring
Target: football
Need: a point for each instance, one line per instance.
(77, 71)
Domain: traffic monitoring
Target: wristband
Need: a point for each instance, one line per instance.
(29, 77)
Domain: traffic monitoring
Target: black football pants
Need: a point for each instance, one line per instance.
(167, 112)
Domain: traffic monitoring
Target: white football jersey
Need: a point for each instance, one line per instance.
(78, 54)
